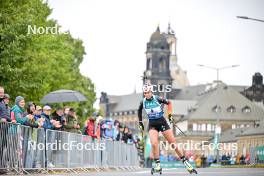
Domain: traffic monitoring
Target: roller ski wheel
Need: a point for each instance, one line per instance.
(192, 171)
(153, 171)
(189, 167)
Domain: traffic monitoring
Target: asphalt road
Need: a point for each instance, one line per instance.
(183, 172)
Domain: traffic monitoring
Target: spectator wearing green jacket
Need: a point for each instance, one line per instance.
(72, 124)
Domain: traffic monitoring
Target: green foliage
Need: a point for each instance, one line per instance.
(33, 65)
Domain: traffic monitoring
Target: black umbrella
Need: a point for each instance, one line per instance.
(61, 96)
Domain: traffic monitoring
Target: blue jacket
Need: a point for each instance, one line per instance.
(4, 111)
(47, 124)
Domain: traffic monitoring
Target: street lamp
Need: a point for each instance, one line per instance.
(218, 126)
(217, 69)
(247, 18)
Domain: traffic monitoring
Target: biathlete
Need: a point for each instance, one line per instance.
(157, 123)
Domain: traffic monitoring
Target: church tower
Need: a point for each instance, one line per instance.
(158, 62)
(162, 67)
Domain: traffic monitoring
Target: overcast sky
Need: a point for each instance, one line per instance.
(115, 34)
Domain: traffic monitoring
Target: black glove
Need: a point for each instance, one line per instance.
(170, 118)
(183, 158)
(141, 125)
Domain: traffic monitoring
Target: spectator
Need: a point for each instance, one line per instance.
(45, 119)
(130, 139)
(3, 110)
(121, 132)
(210, 160)
(233, 160)
(3, 130)
(58, 115)
(198, 162)
(203, 158)
(66, 110)
(38, 113)
(242, 159)
(108, 129)
(238, 159)
(72, 122)
(126, 136)
(31, 110)
(116, 130)
(17, 112)
(8, 109)
(247, 159)
(90, 126)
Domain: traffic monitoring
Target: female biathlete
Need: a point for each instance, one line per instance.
(153, 107)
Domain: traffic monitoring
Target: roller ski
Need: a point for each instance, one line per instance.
(188, 166)
(156, 169)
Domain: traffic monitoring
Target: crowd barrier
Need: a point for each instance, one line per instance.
(24, 148)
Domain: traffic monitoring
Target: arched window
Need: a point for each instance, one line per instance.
(231, 109)
(216, 109)
(162, 65)
(246, 109)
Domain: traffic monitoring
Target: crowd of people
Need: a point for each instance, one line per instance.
(206, 161)
(60, 118)
(97, 127)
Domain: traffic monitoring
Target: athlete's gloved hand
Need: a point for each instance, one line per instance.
(141, 125)
(183, 159)
(170, 118)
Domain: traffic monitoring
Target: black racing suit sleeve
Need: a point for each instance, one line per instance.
(140, 108)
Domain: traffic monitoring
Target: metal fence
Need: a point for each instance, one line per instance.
(25, 148)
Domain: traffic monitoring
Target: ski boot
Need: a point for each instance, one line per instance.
(156, 169)
(189, 167)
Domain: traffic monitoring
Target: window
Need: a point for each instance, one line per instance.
(203, 127)
(231, 109)
(242, 126)
(216, 109)
(162, 65)
(233, 126)
(194, 127)
(246, 109)
(213, 127)
(209, 127)
(199, 127)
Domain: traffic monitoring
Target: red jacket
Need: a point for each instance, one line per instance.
(90, 130)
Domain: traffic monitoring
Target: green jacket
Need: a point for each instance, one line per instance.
(71, 121)
(18, 114)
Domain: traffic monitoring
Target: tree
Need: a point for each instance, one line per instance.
(32, 65)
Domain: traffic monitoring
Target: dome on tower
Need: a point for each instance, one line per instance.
(157, 36)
